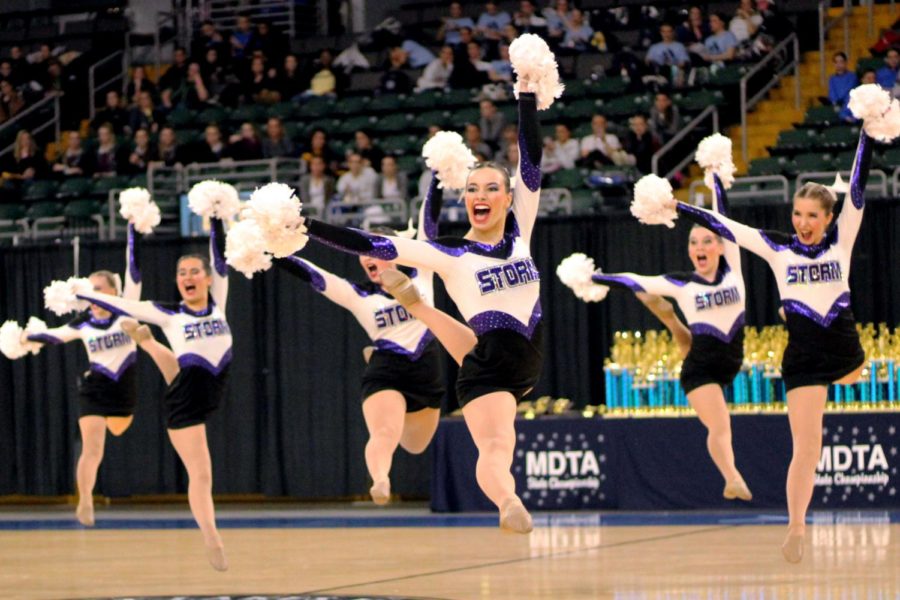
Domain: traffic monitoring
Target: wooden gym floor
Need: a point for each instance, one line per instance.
(358, 552)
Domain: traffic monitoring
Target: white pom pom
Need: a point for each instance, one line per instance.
(13, 344)
(214, 199)
(887, 127)
(137, 208)
(245, 248)
(447, 154)
(575, 272)
(276, 210)
(653, 202)
(869, 101)
(536, 69)
(714, 156)
(408, 233)
(59, 296)
(592, 293)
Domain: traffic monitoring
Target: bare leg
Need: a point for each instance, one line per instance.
(709, 404)
(192, 448)
(118, 425)
(93, 440)
(491, 421)
(662, 309)
(384, 413)
(806, 406)
(418, 429)
(163, 357)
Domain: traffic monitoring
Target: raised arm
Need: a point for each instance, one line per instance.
(527, 192)
(132, 288)
(660, 285)
(58, 335)
(219, 289)
(337, 289)
(149, 312)
(732, 250)
(430, 211)
(850, 219)
(752, 239)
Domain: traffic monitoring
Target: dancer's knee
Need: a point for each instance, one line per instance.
(414, 446)
(496, 446)
(385, 433)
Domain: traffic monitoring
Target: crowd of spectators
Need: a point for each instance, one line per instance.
(28, 78)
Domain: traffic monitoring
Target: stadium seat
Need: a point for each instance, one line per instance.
(74, 187)
(795, 140)
(212, 115)
(315, 107)
(581, 109)
(386, 103)
(727, 76)
(458, 98)
(283, 110)
(766, 166)
(425, 100)
(352, 105)
(821, 116)
(698, 101)
(570, 179)
(575, 89)
(103, 185)
(603, 87)
(254, 113)
(410, 163)
(393, 123)
(432, 117)
(39, 190)
(82, 209)
(626, 106)
(181, 117)
(350, 126)
(809, 162)
(463, 116)
(401, 144)
(840, 138)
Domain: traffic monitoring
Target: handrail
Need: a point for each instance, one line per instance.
(92, 84)
(895, 180)
(825, 27)
(735, 193)
(654, 162)
(337, 212)
(747, 104)
(880, 187)
(54, 121)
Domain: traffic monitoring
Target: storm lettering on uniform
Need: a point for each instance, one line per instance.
(508, 275)
(205, 329)
(814, 273)
(716, 298)
(108, 342)
(392, 315)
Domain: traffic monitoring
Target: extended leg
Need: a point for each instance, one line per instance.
(418, 429)
(709, 404)
(384, 412)
(93, 440)
(163, 357)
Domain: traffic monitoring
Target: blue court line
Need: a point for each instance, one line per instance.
(121, 521)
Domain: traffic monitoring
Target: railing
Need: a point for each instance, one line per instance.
(772, 187)
(119, 75)
(878, 180)
(375, 212)
(224, 13)
(895, 181)
(709, 111)
(748, 103)
(163, 19)
(827, 25)
(16, 122)
(252, 171)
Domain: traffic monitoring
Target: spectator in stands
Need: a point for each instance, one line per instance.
(721, 45)
(370, 153)
(318, 147)
(693, 32)
(510, 159)
(317, 186)
(887, 75)
(391, 183)
(665, 119)
(38, 66)
(474, 54)
(466, 73)
(558, 16)
(527, 20)
(291, 82)
(395, 80)
(357, 185)
(219, 80)
(145, 115)
(19, 65)
(53, 83)
(174, 77)
(490, 26)
(212, 148)
(24, 164)
(448, 33)
(502, 67)
(510, 33)
(257, 86)
(437, 74)
(108, 158)
(73, 161)
(868, 77)
(509, 137)
(6, 71)
(270, 41)
(746, 22)
(560, 152)
(168, 152)
(669, 57)
(492, 123)
(840, 84)
(195, 93)
(641, 143)
(419, 55)
(598, 148)
(276, 144)
(112, 113)
(142, 153)
(475, 142)
(139, 83)
(209, 37)
(240, 38)
(775, 26)
(326, 80)
(245, 144)
(578, 34)
(11, 102)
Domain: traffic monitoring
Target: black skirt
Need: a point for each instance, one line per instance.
(817, 355)
(712, 361)
(193, 396)
(98, 395)
(421, 382)
(502, 361)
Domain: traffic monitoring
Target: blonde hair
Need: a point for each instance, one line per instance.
(114, 280)
(32, 145)
(817, 191)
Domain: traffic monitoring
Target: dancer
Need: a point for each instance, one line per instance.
(201, 340)
(812, 268)
(403, 383)
(712, 300)
(492, 278)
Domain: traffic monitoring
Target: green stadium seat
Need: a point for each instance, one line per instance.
(74, 187)
(698, 101)
(212, 115)
(844, 160)
(328, 125)
(283, 110)
(387, 103)
(626, 106)
(766, 166)
(315, 107)
(727, 76)
(458, 97)
(401, 144)
(354, 124)
(795, 140)
(39, 190)
(809, 162)
(11, 212)
(821, 116)
(582, 130)
(870, 62)
(604, 87)
(464, 116)
(585, 201)
(581, 109)
(293, 130)
(510, 112)
(890, 159)
(393, 123)
(181, 117)
(432, 117)
(840, 138)
(409, 163)
(44, 210)
(425, 100)
(185, 137)
(82, 209)
(575, 89)
(571, 179)
(352, 105)
(253, 113)
(102, 185)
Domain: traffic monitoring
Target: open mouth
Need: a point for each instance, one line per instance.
(190, 288)
(481, 212)
(805, 236)
(702, 260)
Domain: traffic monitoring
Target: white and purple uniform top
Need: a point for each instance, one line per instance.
(713, 308)
(494, 286)
(110, 350)
(390, 327)
(198, 339)
(813, 280)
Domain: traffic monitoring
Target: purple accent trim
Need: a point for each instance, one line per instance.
(706, 220)
(861, 163)
(622, 280)
(218, 260)
(772, 243)
(721, 197)
(799, 308)
(528, 171)
(128, 362)
(389, 346)
(183, 308)
(133, 271)
(382, 247)
(113, 309)
(801, 249)
(315, 278)
(430, 226)
(681, 282)
(362, 292)
(495, 319)
(44, 338)
(503, 248)
(713, 331)
(163, 309)
(195, 360)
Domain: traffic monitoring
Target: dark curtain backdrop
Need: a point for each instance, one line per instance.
(292, 425)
